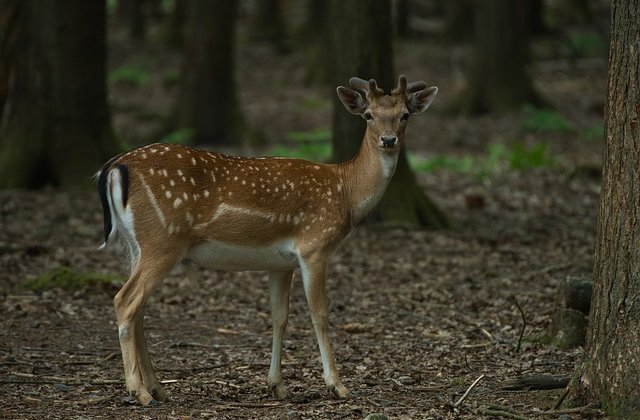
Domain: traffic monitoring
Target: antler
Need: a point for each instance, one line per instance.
(408, 88)
(370, 87)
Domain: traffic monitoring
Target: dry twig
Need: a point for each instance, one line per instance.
(524, 325)
(464, 396)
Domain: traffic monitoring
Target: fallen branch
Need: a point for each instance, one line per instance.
(464, 396)
(536, 382)
(589, 408)
(500, 413)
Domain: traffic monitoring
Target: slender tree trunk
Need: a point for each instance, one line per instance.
(611, 369)
(268, 25)
(208, 101)
(175, 24)
(498, 80)
(362, 47)
(315, 34)
(56, 128)
(8, 34)
(458, 22)
(403, 12)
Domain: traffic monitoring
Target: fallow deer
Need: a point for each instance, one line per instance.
(171, 204)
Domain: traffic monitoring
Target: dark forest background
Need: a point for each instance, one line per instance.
(510, 161)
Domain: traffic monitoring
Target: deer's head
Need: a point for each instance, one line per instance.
(386, 115)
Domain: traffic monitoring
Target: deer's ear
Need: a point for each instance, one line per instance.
(352, 100)
(419, 102)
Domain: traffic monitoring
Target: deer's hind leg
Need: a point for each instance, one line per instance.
(129, 305)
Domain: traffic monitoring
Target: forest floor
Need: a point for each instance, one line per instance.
(416, 315)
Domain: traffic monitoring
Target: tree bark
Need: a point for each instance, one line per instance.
(362, 46)
(498, 80)
(56, 128)
(611, 369)
(208, 101)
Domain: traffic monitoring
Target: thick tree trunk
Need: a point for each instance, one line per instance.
(611, 369)
(498, 80)
(56, 128)
(208, 103)
(362, 46)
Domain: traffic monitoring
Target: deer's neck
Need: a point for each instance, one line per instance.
(366, 177)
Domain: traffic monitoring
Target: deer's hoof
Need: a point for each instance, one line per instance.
(279, 391)
(158, 393)
(339, 391)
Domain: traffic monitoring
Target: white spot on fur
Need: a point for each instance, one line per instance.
(177, 202)
(153, 201)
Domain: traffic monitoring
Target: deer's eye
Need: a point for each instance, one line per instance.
(368, 116)
(405, 116)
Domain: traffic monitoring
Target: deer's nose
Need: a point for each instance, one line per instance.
(388, 141)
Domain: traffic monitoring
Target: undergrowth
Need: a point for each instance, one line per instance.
(69, 280)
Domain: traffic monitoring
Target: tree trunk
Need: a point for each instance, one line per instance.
(208, 103)
(8, 21)
(403, 12)
(362, 47)
(268, 25)
(56, 128)
(458, 20)
(498, 80)
(315, 34)
(175, 24)
(611, 369)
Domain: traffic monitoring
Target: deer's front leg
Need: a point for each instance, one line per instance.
(279, 287)
(313, 269)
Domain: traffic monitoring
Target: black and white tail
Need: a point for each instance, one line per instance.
(113, 188)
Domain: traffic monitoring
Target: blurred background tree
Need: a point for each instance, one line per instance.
(362, 37)
(56, 125)
(498, 78)
(208, 101)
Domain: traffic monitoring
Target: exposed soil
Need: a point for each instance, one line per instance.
(416, 315)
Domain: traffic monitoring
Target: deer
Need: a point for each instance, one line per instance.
(170, 204)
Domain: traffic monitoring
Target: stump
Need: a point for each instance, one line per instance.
(568, 327)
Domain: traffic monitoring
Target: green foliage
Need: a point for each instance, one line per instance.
(134, 75)
(179, 136)
(67, 279)
(312, 102)
(112, 6)
(312, 145)
(172, 78)
(586, 44)
(595, 132)
(547, 120)
(517, 156)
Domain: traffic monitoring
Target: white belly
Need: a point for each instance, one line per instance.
(279, 255)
